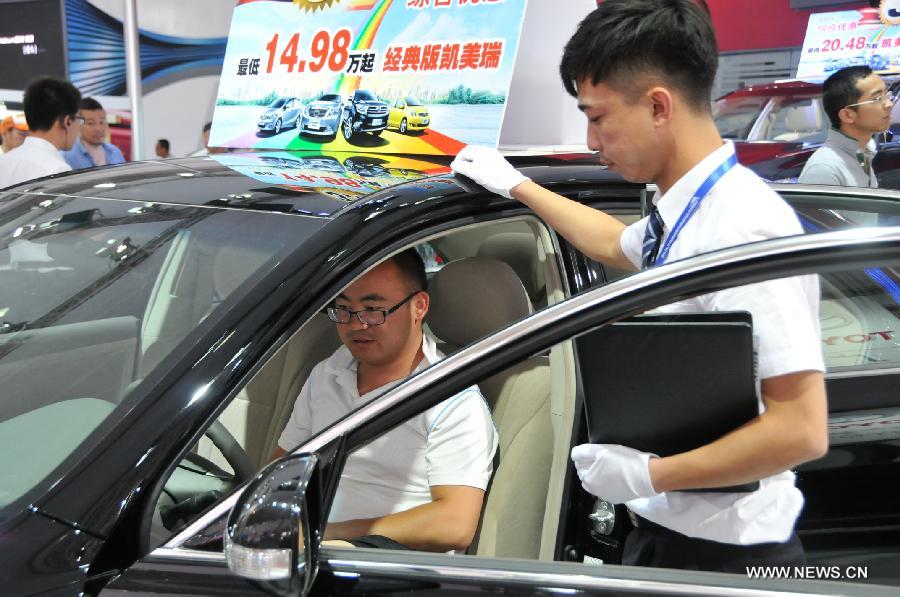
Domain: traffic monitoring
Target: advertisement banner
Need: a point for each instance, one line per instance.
(834, 40)
(383, 76)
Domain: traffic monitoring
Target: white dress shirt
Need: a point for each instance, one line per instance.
(739, 209)
(34, 158)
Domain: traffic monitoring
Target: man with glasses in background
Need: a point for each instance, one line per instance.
(51, 110)
(421, 484)
(858, 104)
(91, 149)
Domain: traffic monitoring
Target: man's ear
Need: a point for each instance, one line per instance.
(847, 115)
(661, 104)
(420, 304)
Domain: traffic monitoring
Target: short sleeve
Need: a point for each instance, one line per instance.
(461, 442)
(632, 241)
(785, 322)
(299, 426)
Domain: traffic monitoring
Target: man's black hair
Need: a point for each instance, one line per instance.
(89, 103)
(840, 90)
(164, 143)
(413, 269)
(624, 41)
(48, 99)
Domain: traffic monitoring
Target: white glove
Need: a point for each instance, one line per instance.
(489, 168)
(614, 473)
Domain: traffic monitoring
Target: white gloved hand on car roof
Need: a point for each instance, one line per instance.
(487, 167)
(615, 473)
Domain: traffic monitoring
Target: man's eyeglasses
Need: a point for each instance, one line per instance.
(885, 98)
(78, 119)
(369, 317)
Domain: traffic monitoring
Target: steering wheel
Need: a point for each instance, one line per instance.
(152, 532)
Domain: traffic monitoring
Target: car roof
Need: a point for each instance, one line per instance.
(306, 183)
(794, 86)
(777, 88)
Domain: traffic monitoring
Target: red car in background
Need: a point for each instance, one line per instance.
(777, 126)
(120, 130)
(771, 119)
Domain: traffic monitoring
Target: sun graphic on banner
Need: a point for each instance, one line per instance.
(890, 12)
(314, 5)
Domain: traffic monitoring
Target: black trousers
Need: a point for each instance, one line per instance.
(653, 545)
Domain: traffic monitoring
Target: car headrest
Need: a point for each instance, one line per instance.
(470, 298)
(803, 118)
(520, 251)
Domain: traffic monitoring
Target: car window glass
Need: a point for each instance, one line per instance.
(432, 259)
(797, 119)
(735, 116)
(94, 296)
(860, 311)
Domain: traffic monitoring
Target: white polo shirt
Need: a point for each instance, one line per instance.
(34, 158)
(452, 443)
(739, 209)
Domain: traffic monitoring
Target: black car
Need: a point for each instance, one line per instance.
(159, 318)
(364, 113)
(787, 166)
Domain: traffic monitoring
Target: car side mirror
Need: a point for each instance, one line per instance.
(273, 532)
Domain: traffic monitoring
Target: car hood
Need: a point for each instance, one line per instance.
(323, 105)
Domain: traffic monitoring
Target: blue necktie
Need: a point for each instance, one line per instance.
(652, 239)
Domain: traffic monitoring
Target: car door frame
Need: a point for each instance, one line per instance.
(581, 313)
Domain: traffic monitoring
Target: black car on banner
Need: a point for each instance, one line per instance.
(157, 320)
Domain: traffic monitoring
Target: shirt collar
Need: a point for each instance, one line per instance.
(343, 364)
(79, 147)
(838, 140)
(40, 144)
(672, 203)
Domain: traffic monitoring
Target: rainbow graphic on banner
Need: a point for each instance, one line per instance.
(347, 84)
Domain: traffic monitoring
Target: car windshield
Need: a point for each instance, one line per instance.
(278, 103)
(735, 116)
(411, 101)
(96, 295)
(330, 97)
(366, 96)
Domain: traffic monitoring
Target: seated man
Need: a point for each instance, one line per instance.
(422, 483)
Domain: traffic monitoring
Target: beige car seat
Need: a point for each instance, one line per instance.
(801, 121)
(520, 251)
(470, 299)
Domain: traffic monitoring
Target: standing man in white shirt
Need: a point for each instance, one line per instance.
(422, 483)
(858, 104)
(642, 71)
(51, 109)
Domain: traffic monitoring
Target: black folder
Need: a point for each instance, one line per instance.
(669, 383)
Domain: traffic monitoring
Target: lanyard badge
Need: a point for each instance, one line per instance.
(693, 205)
